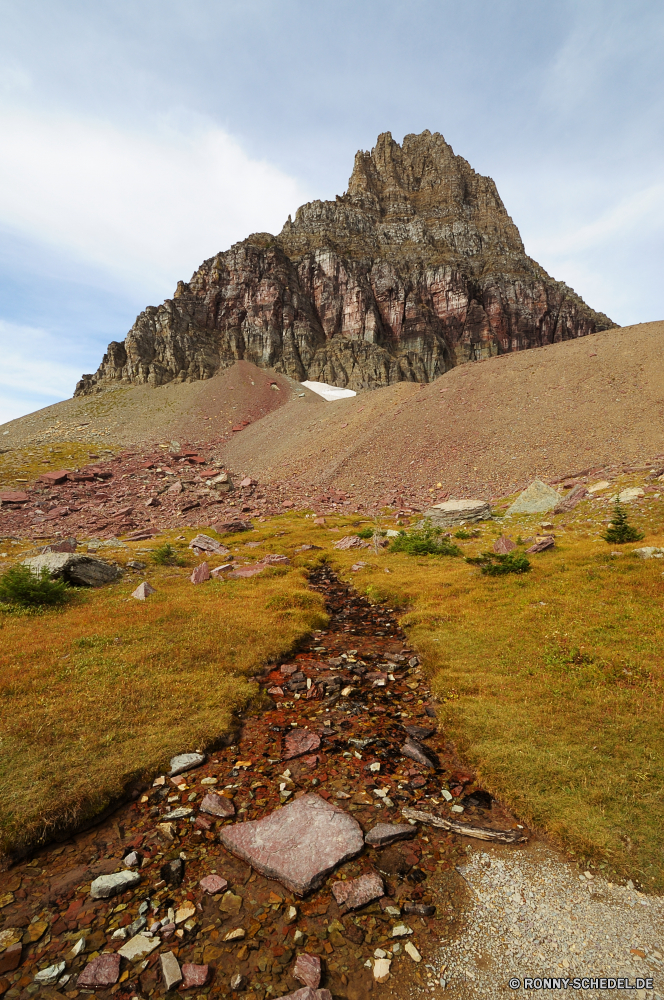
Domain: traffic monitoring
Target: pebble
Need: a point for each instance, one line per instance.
(307, 969)
(185, 762)
(138, 947)
(50, 975)
(104, 970)
(107, 886)
(170, 970)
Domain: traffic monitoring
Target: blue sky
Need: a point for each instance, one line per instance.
(136, 140)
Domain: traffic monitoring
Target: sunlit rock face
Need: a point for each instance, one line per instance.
(415, 269)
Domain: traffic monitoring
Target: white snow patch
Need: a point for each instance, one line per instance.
(329, 392)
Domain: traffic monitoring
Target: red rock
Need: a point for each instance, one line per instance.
(298, 742)
(194, 975)
(10, 958)
(289, 668)
(104, 970)
(503, 545)
(388, 833)
(307, 993)
(244, 572)
(542, 544)
(298, 845)
(66, 545)
(213, 884)
(201, 573)
(275, 560)
(13, 496)
(230, 527)
(248, 482)
(53, 477)
(350, 542)
(202, 823)
(217, 805)
(307, 970)
(357, 892)
(276, 692)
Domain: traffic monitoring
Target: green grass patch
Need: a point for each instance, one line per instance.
(426, 541)
(21, 587)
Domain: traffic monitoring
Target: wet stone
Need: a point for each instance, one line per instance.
(170, 970)
(138, 947)
(420, 732)
(104, 970)
(307, 993)
(298, 845)
(307, 970)
(194, 975)
(107, 886)
(217, 805)
(357, 892)
(387, 833)
(423, 755)
(300, 741)
(173, 872)
(213, 884)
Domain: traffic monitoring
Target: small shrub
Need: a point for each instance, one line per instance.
(493, 564)
(425, 541)
(620, 530)
(463, 533)
(20, 586)
(365, 533)
(166, 555)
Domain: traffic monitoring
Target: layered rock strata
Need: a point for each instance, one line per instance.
(415, 269)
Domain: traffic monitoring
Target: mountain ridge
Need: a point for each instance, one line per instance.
(415, 269)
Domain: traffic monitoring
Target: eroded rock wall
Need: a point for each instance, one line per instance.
(417, 268)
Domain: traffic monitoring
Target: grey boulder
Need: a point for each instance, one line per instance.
(451, 512)
(112, 885)
(75, 568)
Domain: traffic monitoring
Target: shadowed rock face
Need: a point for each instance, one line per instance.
(417, 268)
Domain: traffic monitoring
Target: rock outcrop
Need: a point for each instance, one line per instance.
(415, 269)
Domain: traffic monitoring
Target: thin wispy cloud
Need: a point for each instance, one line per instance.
(143, 206)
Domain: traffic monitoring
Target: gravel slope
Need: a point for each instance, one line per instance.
(481, 429)
(532, 914)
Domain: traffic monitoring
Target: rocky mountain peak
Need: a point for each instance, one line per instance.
(415, 269)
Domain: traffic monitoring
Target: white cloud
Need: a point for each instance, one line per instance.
(29, 375)
(145, 206)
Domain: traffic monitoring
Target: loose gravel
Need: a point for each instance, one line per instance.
(533, 914)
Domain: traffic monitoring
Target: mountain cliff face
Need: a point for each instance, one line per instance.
(416, 269)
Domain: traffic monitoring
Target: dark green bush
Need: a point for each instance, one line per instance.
(425, 541)
(620, 530)
(365, 533)
(20, 586)
(493, 564)
(166, 555)
(464, 533)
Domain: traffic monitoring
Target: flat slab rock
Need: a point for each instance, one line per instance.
(357, 892)
(104, 970)
(298, 742)
(444, 515)
(107, 886)
(307, 970)
(185, 762)
(387, 833)
(217, 805)
(80, 570)
(298, 845)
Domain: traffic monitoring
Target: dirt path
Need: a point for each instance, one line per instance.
(468, 916)
(47, 900)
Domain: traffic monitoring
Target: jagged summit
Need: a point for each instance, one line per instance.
(418, 193)
(415, 269)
